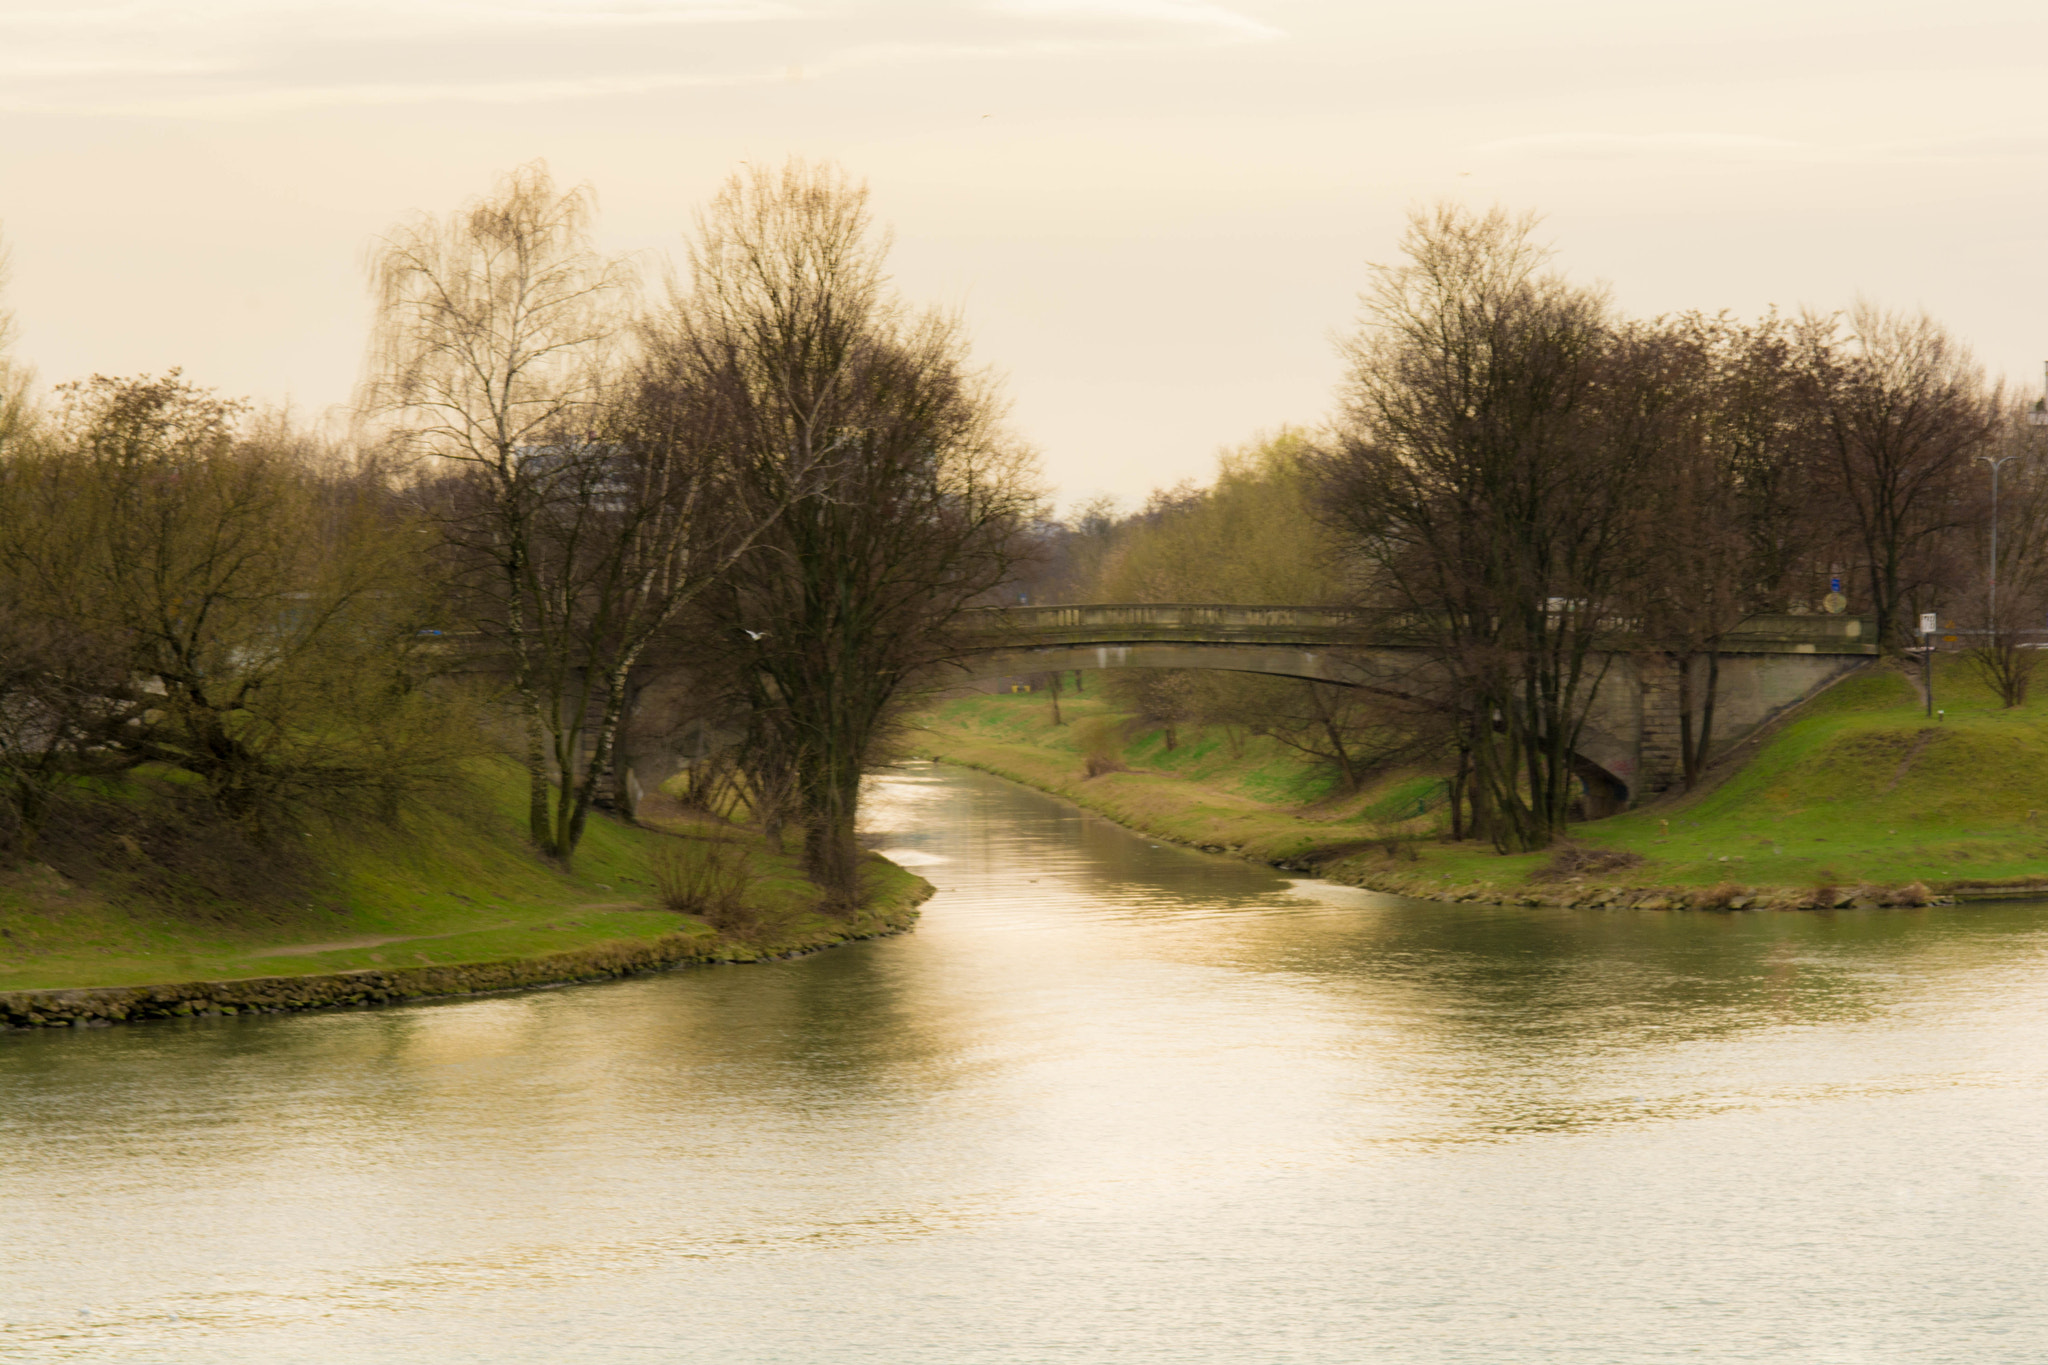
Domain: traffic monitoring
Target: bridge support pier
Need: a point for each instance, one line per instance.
(1660, 763)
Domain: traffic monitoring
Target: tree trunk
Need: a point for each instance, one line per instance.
(537, 823)
(1706, 744)
(1457, 793)
(600, 754)
(831, 854)
(1331, 733)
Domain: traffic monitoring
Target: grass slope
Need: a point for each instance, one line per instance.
(452, 886)
(1863, 787)
(1857, 788)
(1243, 794)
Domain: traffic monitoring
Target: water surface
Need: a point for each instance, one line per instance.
(1111, 1102)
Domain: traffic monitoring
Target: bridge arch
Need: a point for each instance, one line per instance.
(1629, 746)
(1606, 792)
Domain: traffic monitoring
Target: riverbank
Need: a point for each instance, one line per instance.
(454, 902)
(1857, 798)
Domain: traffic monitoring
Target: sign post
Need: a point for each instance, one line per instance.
(1929, 623)
(1834, 603)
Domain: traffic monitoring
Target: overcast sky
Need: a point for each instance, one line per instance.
(1152, 213)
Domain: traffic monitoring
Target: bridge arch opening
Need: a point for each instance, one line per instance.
(1606, 793)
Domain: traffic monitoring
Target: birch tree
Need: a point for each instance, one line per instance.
(497, 330)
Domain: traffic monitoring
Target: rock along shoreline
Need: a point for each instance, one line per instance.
(1726, 897)
(102, 1006)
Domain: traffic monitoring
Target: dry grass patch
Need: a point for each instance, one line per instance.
(1579, 860)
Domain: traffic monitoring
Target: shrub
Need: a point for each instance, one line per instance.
(711, 879)
(1096, 764)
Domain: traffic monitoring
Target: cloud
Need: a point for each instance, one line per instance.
(283, 99)
(1984, 147)
(246, 58)
(1697, 147)
(1185, 13)
(63, 48)
(1676, 146)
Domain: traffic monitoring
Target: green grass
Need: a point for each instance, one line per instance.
(1214, 789)
(454, 885)
(1862, 787)
(1858, 787)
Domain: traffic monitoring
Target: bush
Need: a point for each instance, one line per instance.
(1399, 850)
(1101, 742)
(711, 879)
(1095, 765)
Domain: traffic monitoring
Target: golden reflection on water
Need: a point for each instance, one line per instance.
(1111, 1101)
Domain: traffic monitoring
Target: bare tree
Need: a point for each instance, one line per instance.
(905, 501)
(2008, 655)
(495, 343)
(1164, 697)
(1348, 731)
(1494, 443)
(1898, 409)
(16, 411)
(1730, 511)
(1054, 682)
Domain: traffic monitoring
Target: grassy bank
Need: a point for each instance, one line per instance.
(450, 888)
(1218, 789)
(1857, 796)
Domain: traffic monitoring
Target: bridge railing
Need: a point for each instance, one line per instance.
(1131, 622)
(1172, 615)
(1783, 633)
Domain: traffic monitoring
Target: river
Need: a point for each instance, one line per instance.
(1111, 1102)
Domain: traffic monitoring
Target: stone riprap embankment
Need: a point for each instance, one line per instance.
(1727, 896)
(99, 1006)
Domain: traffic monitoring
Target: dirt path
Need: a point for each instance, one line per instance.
(371, 941)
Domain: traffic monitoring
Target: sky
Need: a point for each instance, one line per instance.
(1152, 215)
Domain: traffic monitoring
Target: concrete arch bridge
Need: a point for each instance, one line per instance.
(1630, 743)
